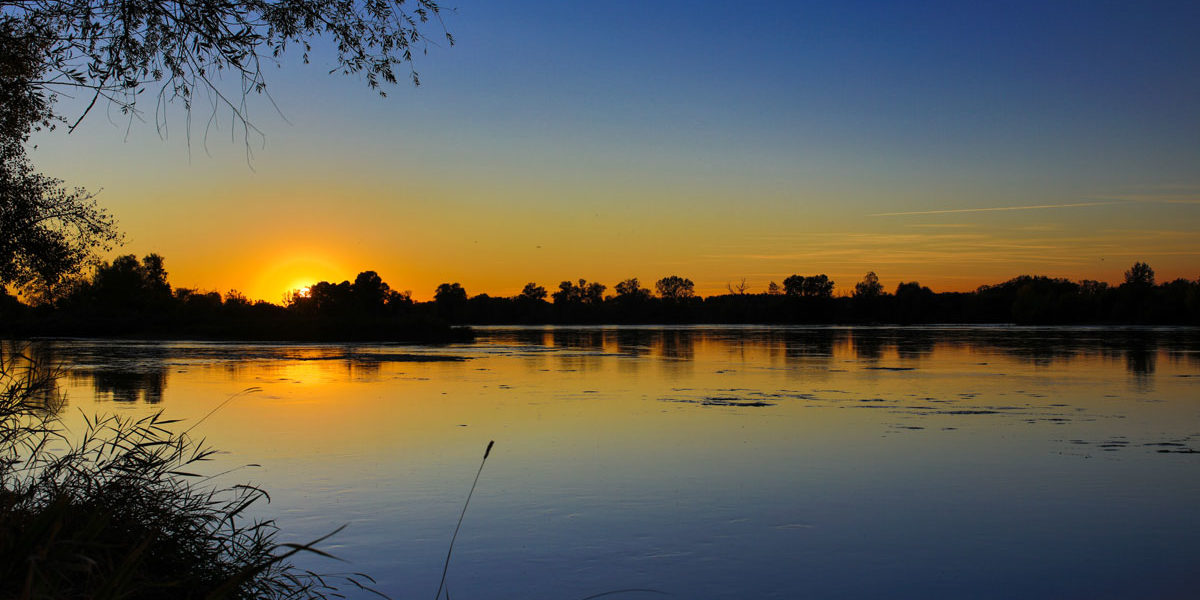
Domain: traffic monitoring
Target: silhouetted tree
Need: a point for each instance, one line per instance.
(869, 287)
(331, 298)
(1092, 287)
(816, 286)
(793, 285)
(739, 288)
(631, 290)
(47, 232)
(533, 292)
(913, 302)
(154, 275)
(1134, 298)
(593, 292)
(675, 288)
(120, 282)
(113, 50)
(1140, 275)
(451, 301)
(397, 301)
(370, 292)
(449, 292)
(568, 293)
(583, 293)
(773, 289)
(234, 298)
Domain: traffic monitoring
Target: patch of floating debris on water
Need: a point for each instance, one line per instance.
(720, 401)
(1115, 443)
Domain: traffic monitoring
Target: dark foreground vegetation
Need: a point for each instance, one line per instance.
(121, 511)
(128, 297)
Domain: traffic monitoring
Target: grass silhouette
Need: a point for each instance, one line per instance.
(446, 567)
(123, 511)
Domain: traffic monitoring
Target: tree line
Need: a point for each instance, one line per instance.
(810, 299)
(132, 297)
(129, 297)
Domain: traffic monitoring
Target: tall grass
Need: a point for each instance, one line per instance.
(123, 510)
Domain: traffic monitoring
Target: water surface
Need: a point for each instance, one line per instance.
(709, 462)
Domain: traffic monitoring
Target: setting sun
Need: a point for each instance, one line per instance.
(296, 272)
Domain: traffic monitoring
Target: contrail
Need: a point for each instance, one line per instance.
(995, 208)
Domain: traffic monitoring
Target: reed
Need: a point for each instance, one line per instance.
(123, 510)
(450, 551)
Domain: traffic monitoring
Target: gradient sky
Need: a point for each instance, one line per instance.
(956, 144)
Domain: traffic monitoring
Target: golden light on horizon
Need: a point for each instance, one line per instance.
(296, 272)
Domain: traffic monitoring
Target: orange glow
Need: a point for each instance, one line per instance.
(296, 272)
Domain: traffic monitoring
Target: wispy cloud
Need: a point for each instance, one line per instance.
(1192, 198)
(993, 209)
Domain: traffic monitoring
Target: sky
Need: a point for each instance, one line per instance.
(954, 144)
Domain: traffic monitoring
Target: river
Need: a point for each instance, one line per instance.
(706, 462)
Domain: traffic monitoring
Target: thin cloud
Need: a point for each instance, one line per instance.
(1191, 198)
(991, 209)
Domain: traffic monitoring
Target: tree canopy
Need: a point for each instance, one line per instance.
(47, 231)
(115, 50)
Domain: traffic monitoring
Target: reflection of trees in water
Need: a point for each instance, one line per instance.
(676, 350)
(908, 343)
(129, 386)
(868, 345)
(121, 372)
(1137, 348)
(677, 344)
(809, 344)
(584, 348)
(32, 366)
(633, 342)
(129, 372)
(363, 369)
(579, 339)
(1141, 363)
(1179, 355)
(915, 344)
(531, 337)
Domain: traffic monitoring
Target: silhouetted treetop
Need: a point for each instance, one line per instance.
(532, 292)
(448, 293)
(815, 286)
(584, 293)
(630, 290)
(869, 287)
(370, 292)
(675, 288)
(1139, 275)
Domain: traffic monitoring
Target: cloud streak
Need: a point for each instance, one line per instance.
(992, 209)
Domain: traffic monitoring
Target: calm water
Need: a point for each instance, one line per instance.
(710, 463)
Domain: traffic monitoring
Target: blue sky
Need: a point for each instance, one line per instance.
(560, 140)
